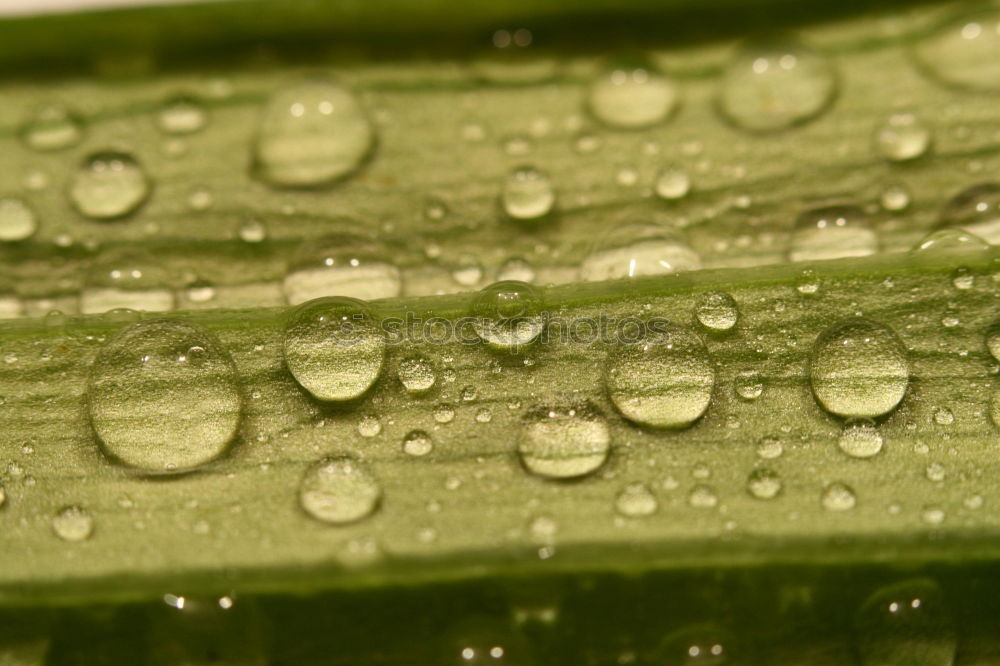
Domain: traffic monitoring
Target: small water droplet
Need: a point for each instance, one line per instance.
(109, 185)
(943, 416)
(444, 414)
(964, 51)
(516, 269)
(895, 197)
(369, 426)
(468, 271)
(416, 374)
(860, 438)
(129, 278)
(703, 497)
(903, 137)
(52, 127)
(311, 134)
(334, 348)
(716, 311)
(935, 472)
(252, 231)
(632, 96)
(976, 211)
(838, 497)
(17, 220)
(339, 490)
(672, 183)
(906, 624)
(527, 194)
(508, 315)
(993, 340)
(342, 264)
(664, 381)
(832, 232)
(773, 85)
(184, 405)
(182, 115)
(635, 501)
(417, 443)
(748, 384)
(859, 369)
(638, 249)
(764, 483)
(963, 278)
(73, 523)
(563, 440)
(770, 448)
(696, 645)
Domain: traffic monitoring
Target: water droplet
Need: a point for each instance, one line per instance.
(859, 369)
(903, 137)
(838, 497)
(416, 374)
(184, 405)
(770, 448)
(468, 271)
(182, 115)
(334, 348)
(483, 415)
(764, 483)
(479, 641)
(635, 501)
(417, 443)
(964, 51)
(664, 381)
(52, 127)
(444, 414)
(639, 249)
(976, 211)
(517, 269)
(311, 134)
(527, 194)
(563, 440)
(935, 472)
(860, 438)
(832, 232)
(508, 315)
(17, 220)
(951, 240)
(716, 311)
(73, 523)
(895, 197)
(906, 624)
(126, 278)
(672, 183)
(963, 278)
(339, 490)
(772, 85)
(993, 340)
(343, 264)
(3, 495)
(252, 231)
(514, 60)
(702, 497)
(697, 645)
(109, 185)
(632, 96)
(748, 384)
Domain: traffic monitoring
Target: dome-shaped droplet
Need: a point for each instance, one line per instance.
(951, 240)
(126, 278)
(311, 134)
(635, 501)
(764, 483)
(334, 348)
(902, 137)
(716, 311)
(339, 490)
(772, 85)
(52, 127)
(343, 264)
(976, 211)
(417, 443)
(183, 405)
(527, 194)
(73, 523)
(832, 232)
(748, 384)
(663, 381)
(17, 220)
(508, 315)
(514, 59)
(838, 496)
(639, 249)
(632, 96)
(181, 115)
(964, 51)
(860, 438)
(109, 185)
(859, 369)
(696, 645)
(416, 374)
(906, 624)
(672, 183)
(563, 440)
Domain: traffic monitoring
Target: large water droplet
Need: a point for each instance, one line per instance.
(339, 491)
(906, 624)
(508, 315)
(975, 210)
(184, 405)
(17, 220)
(964, 51)
(951, 240)
(73, 524)
(334, 348)
(832, 232)
(126, 278)
(716, 311)
(663, 381)
(902, 137)
(859, 369)
(343, 264)
(639, 249)
(109, 185)
(527, 194)
(860, 438)
(52, 127)
(182, 115)
(632, 96)
(311, 134)
(772, 85)
(563, 441)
